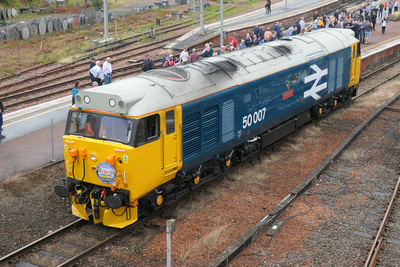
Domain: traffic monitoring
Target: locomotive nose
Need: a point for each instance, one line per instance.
(63, 190)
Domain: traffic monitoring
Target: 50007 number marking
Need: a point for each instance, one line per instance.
(257, 116)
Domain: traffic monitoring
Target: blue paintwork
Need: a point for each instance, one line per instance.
(270, 90)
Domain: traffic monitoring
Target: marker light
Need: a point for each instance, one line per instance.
(86, 99)
(93, 157)
(112, 102)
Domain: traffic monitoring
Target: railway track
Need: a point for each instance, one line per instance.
(382, 75)
(17, 93)
(381, 236)
(69, 244)
(49, 84)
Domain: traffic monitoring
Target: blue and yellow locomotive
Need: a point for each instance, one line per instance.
(140, 143)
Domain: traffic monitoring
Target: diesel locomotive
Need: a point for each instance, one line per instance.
(140, 143)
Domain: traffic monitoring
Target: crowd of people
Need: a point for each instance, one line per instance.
(100, 73)
(362, 21)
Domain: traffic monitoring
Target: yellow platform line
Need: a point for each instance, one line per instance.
(24, 119)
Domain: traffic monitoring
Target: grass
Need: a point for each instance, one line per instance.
(258, 173)
(211, 240)
(64, 47)
(197, 202)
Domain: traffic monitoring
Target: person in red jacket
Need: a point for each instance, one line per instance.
(232, 42)
(170, 61)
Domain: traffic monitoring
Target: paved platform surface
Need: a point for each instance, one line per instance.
(29, 133)
(279, 10)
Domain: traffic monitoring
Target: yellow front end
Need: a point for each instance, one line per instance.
(103, 164)
(111, 177)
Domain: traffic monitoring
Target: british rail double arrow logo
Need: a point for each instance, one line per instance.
(317, 77)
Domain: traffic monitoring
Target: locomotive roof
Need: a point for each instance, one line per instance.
(162, 88)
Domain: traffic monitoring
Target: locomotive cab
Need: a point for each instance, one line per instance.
(112, 161)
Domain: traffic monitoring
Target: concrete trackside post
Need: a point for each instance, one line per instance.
(52, 142)
(170, 229)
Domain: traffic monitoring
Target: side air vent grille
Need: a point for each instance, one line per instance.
(191, 135)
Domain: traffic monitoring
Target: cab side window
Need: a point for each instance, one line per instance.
(148, 130)
(170, 121)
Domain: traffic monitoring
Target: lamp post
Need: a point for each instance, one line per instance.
(222, 22)
(201, 31)
(105, 36)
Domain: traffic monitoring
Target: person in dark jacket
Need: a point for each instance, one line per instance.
(92, 64)
(1, 119)
(207, 52)
(373, 19)
(148, 63)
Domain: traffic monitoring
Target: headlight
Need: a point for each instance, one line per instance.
(93, 157)
(112, 102)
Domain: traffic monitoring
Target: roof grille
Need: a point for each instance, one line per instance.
(171, 73)
(283, 49)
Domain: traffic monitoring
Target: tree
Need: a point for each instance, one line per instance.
(5, 2)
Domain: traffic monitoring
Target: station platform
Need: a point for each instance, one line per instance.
(281, 11)
(31, 140)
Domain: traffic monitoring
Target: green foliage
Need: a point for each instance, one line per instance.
(7, 71)
(5, 3)
(97, 4)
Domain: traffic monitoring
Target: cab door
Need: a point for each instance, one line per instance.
(171, 133)
(355, 64)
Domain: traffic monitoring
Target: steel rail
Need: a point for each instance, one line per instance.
(30, 246)
(147, 47)
(373, 87)
(380, 69)
(124, 71)
(373, 254)
(27, 70)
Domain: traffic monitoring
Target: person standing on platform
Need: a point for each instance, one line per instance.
(164, 58)
(193, 56)
(256, 31)
(256, 41)
(380, 10)
(232, 42)
(384, 22)
(277, 29)
(97, 73)
(222, 50)
(107, 70)
(211, 49)
(261, 35)
(242, 45)
(92, 64)
(373, 19)
(268, 6)
(247, 40)
(207, 52)
(148, 63)
(75, 90)
(1, 120)
(367, 31)
(184, 57)
(170, 61)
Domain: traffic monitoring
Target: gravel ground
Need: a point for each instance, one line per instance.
(342, 206)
